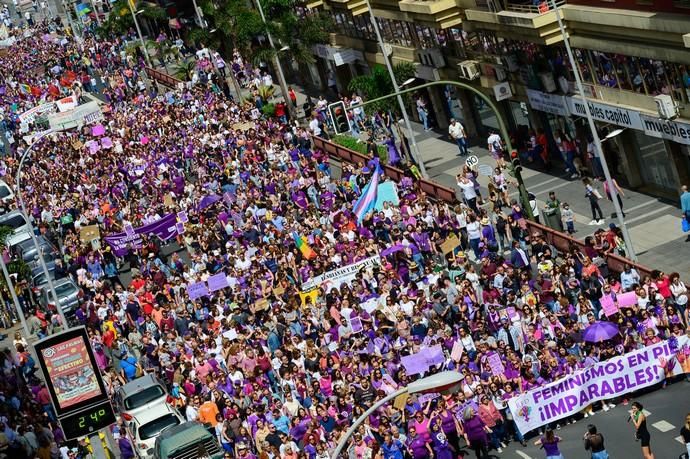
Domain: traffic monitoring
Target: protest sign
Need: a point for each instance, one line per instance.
(424, 398)
(66, 103)
(608, 305)
(168, 200)
(340, 276)
(456, 352)
(311, 294)
(230, 334)
(450, 244)
(197, 290)
(356, 325)
(421, 361)
(261, 305)
(217, 282)
(604, 380)
(89, 233)
(400, 402)
(494, 360)
(627, 300)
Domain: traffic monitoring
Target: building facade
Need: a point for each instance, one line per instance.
(632, 54)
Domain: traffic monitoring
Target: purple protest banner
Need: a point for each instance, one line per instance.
(356, 324)
(495, 364)
(121, 243)
(427, 397)
(217, 282)
(197, 290)
(627, 300)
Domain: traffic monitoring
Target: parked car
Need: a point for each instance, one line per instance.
(26, 250)
(190, 440)
(146, 393)
(19, 225)
(147, 425)
(68, 296)
(6, 193)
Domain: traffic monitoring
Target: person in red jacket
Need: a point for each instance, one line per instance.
(493, 420)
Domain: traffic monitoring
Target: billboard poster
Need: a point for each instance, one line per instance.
(71, 372)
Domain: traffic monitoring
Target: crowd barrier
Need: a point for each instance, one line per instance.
(562, 241)
(162, 77)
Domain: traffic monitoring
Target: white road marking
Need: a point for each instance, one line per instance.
(679, 439)
(523, 455)
(644, 216)
(663, 426)
(545, 182)
(646, 413)
(651, 201)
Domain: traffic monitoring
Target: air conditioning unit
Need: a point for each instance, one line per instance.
(469, 70)
(510, 62)
(666, 106)
(547, 82)
(501, 74)
(431, 58)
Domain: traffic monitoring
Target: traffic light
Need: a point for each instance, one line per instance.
(515, 159)
(338, 113)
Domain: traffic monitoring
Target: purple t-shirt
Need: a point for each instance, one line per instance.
(550, 448)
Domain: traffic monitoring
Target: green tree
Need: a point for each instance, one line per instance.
(378, 84)
(18, 267)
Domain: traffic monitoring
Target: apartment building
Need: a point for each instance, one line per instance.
(633, 55)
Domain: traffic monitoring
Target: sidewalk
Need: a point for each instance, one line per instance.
(654, 226)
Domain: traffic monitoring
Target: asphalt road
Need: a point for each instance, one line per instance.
(665, 409)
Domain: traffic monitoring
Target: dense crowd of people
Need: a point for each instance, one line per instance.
(277, 370)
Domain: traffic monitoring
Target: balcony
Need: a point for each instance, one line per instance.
(526, 21)
(436, 13)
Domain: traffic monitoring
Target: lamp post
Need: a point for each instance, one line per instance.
(141, 37)
(630, 251)
(396, 89)
(13, 294)
(278, 66)
(25, 215)
(445, 382)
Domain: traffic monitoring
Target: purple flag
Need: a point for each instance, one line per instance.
(208, 201)
(164, 228)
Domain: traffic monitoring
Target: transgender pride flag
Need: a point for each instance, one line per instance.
(367, 200)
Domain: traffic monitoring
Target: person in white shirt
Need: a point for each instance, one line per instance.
(469, 194)
(314, 125)
(457, 133)
(495, 146)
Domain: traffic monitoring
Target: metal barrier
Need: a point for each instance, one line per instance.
(429, 187)
(162, 77)
(562, 241)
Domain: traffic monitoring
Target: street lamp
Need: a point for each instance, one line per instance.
(630, 251)
(278, 66)
(415, 150)
(25, 215)
(446, 382)
(408, 81)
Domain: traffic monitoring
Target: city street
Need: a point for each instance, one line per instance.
(665, 410)
(655, 226)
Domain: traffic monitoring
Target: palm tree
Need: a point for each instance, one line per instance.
(184, 70)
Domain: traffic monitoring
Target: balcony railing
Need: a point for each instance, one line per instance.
(541, 8)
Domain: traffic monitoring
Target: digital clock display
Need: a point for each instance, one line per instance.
(88, 421)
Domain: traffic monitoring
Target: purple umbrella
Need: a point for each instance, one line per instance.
(393, 249)
(600, 331)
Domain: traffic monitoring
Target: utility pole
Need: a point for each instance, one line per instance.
(278, 66)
